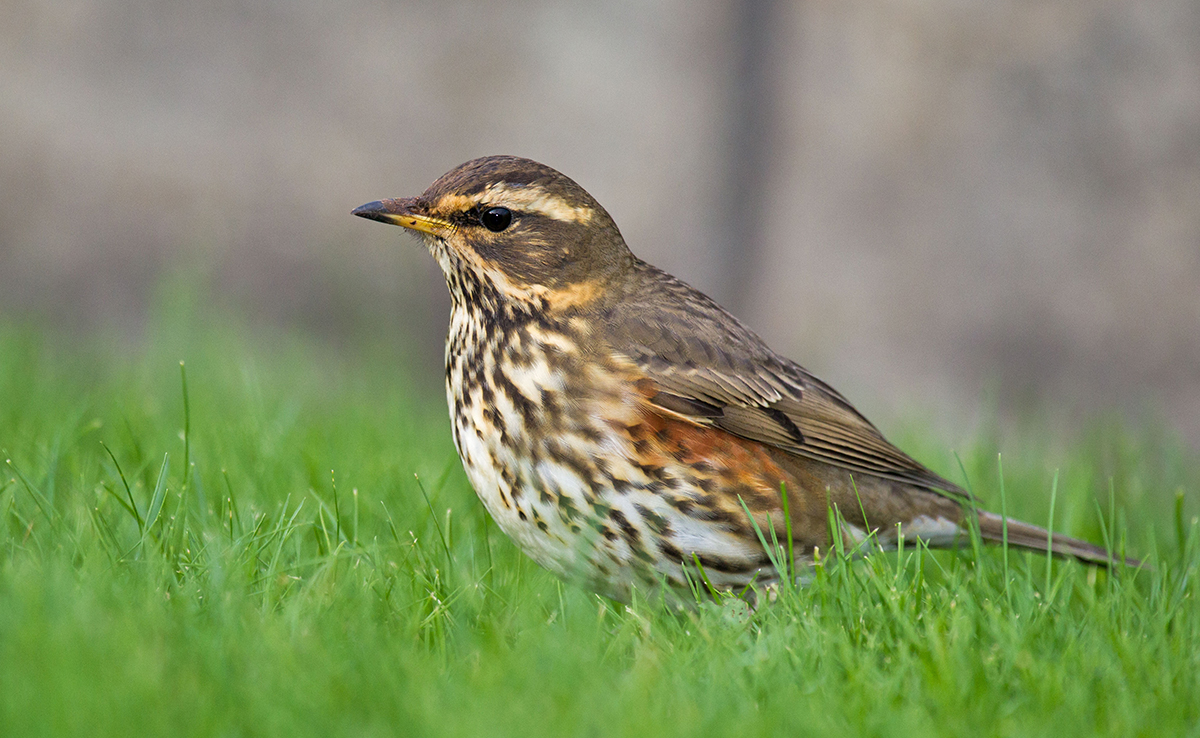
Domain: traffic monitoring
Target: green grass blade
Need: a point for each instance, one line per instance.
(156, 499)
(131, 506)
(1050, 536)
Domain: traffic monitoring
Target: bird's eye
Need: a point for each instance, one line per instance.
(495, 219)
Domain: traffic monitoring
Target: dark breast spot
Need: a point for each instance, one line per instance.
(727, 565)
(656, 522)
(670, 550)
(627, 528)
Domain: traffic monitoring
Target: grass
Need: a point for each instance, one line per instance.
(277, 539)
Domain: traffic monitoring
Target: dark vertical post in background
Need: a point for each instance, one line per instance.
(749, 139)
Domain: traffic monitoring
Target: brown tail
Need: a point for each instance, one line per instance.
(1025, 535)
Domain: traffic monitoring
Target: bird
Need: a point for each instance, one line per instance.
(630, 434)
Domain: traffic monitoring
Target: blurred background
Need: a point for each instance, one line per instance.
(944, 207)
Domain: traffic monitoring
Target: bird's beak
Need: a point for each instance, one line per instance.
(403, 212)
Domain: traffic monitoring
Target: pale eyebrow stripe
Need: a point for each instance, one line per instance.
(532, 198)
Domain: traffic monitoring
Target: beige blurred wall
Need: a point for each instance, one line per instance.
(959, 198)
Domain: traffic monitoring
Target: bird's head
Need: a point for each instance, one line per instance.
(526, 229)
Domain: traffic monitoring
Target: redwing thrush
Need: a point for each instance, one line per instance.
(618, 425)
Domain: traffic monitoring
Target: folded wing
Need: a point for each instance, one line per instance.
(706, 367)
